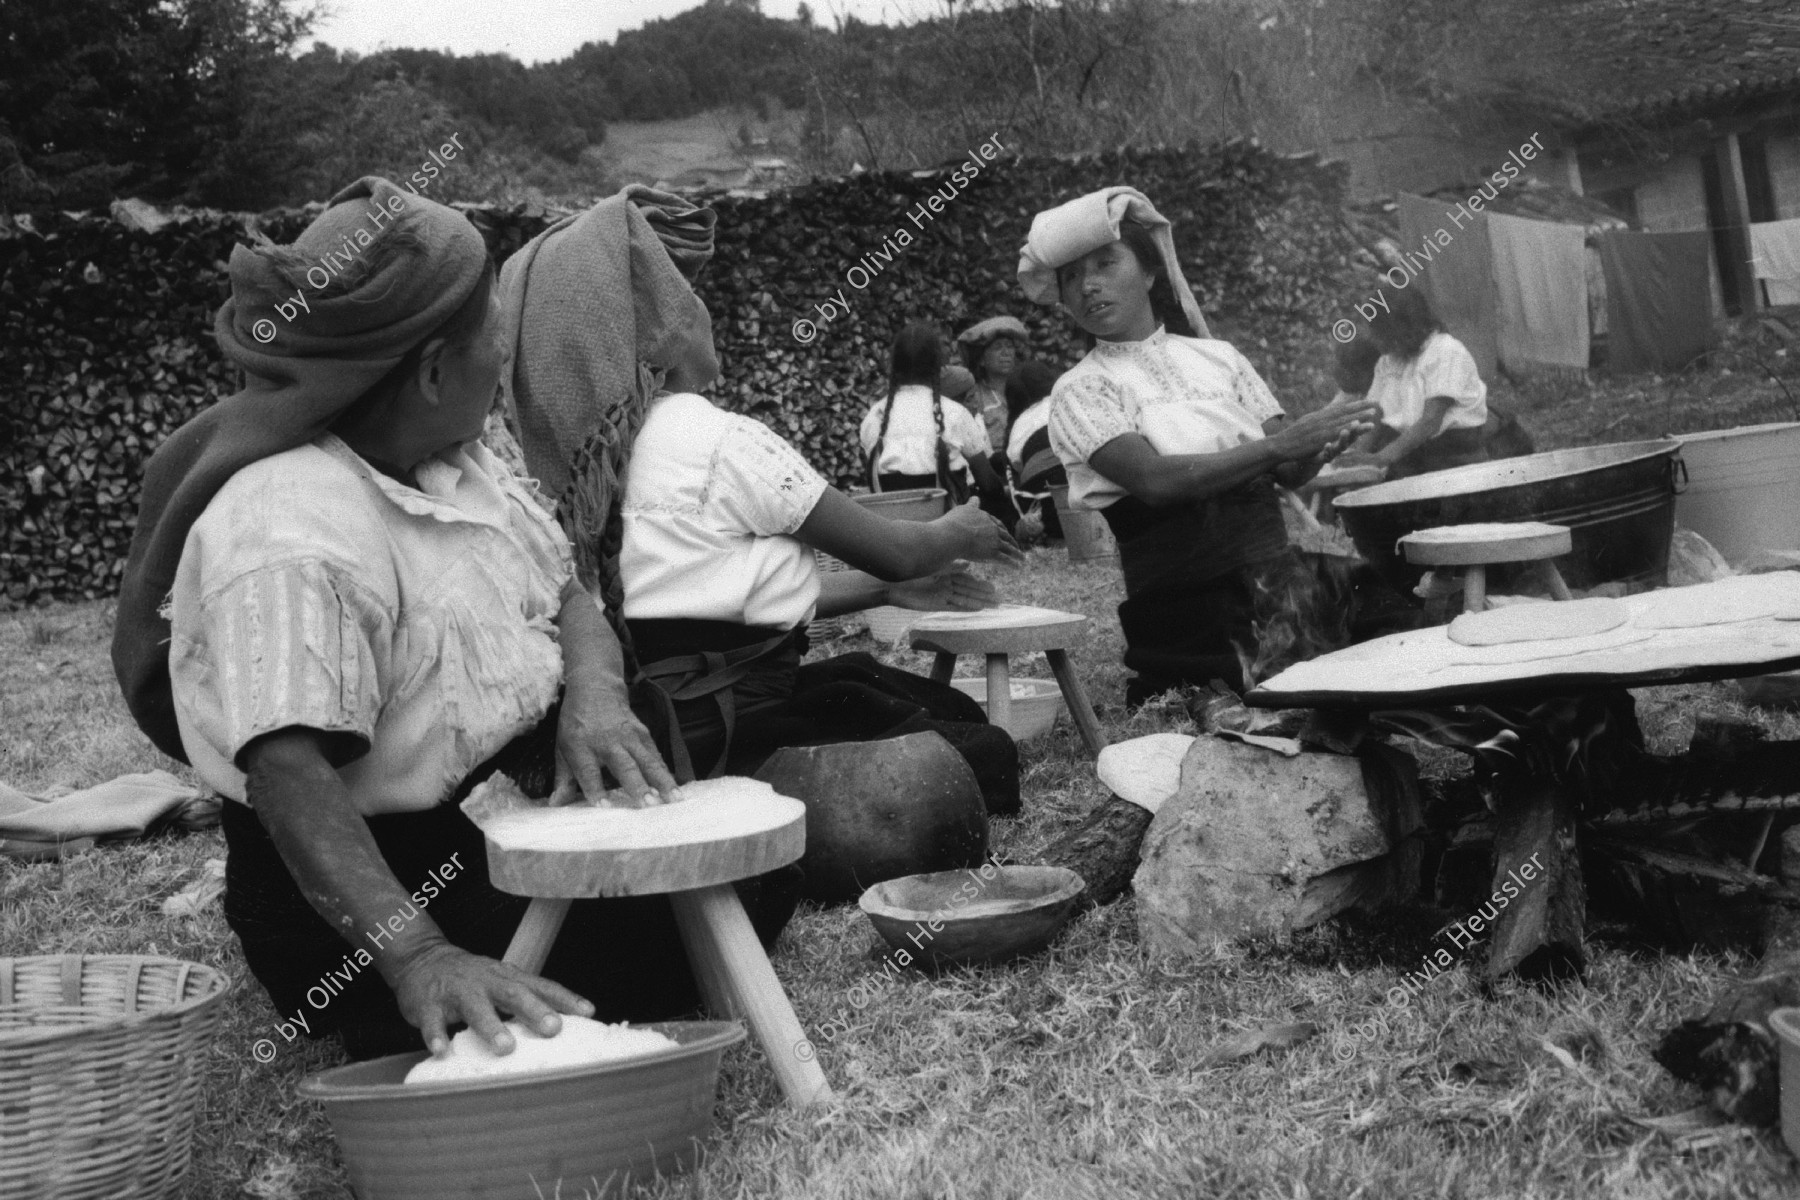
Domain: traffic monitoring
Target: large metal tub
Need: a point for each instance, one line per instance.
(1618, 501)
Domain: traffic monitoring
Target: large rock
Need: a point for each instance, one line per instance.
(1255, 843)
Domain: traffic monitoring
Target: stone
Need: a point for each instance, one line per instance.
(1256, 844)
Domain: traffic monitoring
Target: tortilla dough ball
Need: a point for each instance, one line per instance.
(581, 1042)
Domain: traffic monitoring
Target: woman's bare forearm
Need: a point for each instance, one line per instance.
(330, 852)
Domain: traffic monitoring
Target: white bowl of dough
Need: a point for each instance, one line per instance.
(609, 1107)
(1036, 703)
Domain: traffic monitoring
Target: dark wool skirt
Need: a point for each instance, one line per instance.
(625, 954)
(780, 701)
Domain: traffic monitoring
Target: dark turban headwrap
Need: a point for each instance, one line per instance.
(392, 267)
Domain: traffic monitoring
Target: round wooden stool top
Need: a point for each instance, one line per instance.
(1007, 629)
(1477, 545)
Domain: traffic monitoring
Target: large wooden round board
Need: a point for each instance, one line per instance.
(721, 830)
(1493, 542)
(1004, 629)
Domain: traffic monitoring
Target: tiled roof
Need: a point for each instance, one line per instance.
(1650, 56)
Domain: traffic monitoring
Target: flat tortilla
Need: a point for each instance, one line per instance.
(1548, 621)
(708, 810)
(1145, 770)
(1456, 535)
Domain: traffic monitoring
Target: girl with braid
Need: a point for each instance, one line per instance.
(918, 438)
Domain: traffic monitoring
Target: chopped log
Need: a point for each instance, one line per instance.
(1722, 736)
(1103, 849)
(1539, 935)
(1731, 1053)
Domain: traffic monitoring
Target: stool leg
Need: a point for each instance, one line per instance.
(1076, 695)
(737, 980)
(1558, 588)
(537, 931)
(943, 668)
(999, 691)
(1474, 588)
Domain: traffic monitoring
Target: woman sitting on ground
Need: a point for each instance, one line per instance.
(1176, 439)
(716, 526)
(1432, 401)
(917, 438)
(369, 615)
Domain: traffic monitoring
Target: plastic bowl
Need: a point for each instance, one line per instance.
(1786, 1024)
(984, 915)
(1036, 703)
(591, 1129)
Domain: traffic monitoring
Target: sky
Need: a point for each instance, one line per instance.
(543, 30)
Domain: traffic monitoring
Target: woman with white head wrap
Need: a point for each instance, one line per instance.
(1171, 435)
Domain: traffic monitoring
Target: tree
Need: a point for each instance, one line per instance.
(108, 97)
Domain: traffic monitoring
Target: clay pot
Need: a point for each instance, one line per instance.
(879, 810)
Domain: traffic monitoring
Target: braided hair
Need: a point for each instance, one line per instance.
(917, 358)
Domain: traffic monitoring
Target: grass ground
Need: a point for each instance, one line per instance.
(1080, 1072)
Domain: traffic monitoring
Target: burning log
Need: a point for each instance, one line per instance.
(1540, 931)
(1103, 849)
(1730, 1052)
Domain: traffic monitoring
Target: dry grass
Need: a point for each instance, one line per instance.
(1077, 1073)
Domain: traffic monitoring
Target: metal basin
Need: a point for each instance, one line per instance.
(1618, 501)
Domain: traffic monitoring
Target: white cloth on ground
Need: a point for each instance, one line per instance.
(1443, 367)
(1184, 395)
(1540, 277)
(712, 500)
(126, 807)
(417, 622)
(910, 445)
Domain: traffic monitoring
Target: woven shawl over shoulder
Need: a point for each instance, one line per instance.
(602, 314)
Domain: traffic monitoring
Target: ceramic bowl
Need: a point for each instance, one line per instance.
(985, 915)
(1036, 703)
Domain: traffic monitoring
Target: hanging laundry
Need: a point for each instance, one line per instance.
(1659, 312)
(1540, 278)
(1775, 251)
(1450, 246)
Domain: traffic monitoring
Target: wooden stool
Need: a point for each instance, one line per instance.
(727, 959)
(1475, 547)
(1011, 629)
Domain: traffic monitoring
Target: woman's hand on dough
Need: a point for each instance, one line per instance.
(598, 729)
(986, 539)
(441, 985)
(950, 589)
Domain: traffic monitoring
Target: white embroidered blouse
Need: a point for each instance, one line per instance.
(1185, 395)
(316, 591)
(1442, 367)
(711, 501)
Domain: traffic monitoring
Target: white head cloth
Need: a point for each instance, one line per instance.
(1063, 234)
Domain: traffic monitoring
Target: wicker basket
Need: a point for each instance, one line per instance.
(100, 1073)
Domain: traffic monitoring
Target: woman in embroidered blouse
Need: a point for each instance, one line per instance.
(369, 614)
(1173, 437)
(915, 437)
(1434, 412)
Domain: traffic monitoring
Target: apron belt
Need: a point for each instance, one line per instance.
(710, 673)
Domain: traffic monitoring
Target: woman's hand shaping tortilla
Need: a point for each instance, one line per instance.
(951, 589)
(441, 985)
(987, 539)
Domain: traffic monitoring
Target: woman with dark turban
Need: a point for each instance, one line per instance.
(366, 614)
